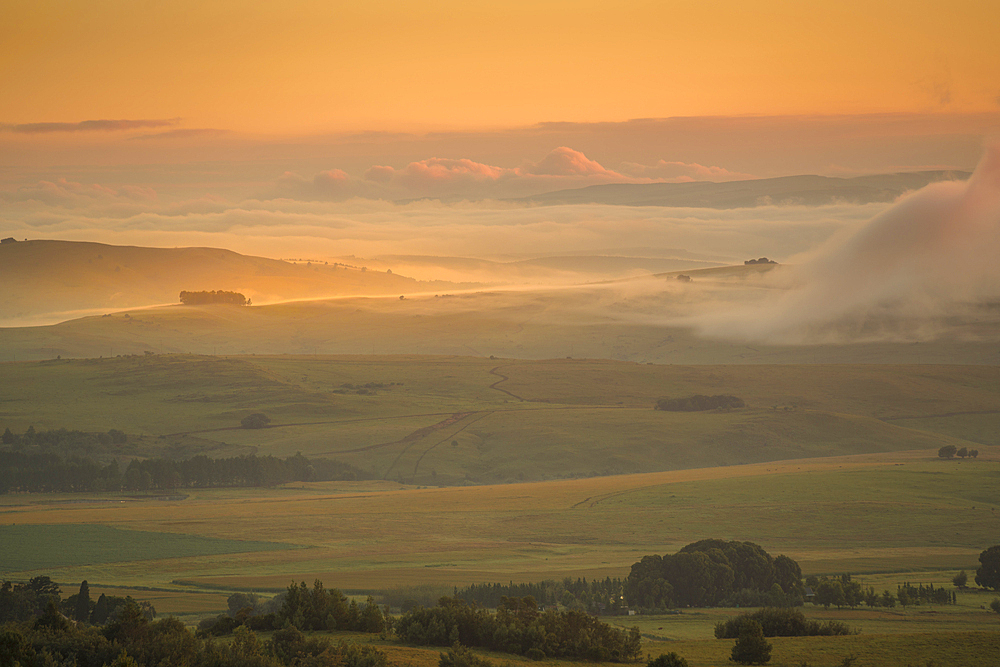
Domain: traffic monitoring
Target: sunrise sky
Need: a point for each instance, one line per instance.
(140, 121)
(305, 66)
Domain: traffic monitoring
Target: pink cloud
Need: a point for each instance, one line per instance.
(331, 178)
(438, 170)
(565, 161)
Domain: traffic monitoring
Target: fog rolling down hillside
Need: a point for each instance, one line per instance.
(40, 278)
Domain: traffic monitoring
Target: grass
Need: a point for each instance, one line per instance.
(857, 514)
(632, 322)
(53, 546)
(511, 420)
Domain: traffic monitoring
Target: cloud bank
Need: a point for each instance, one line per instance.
(91, 126)
(922, 264)
(463, 178)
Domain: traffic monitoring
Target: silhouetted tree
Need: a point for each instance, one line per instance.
(83, 603)
(988, 574)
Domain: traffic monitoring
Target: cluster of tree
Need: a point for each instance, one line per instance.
(713, 573)
(64, 442)
(43, 473)
(20, 602)
(760, 260)
(300, 607)
(776, 622)
(920, 594)
(220, 296)
(519, 627)
(600, 596)
(698, 403)
(133, 640)
(988, 574)
(52, 473)
(950, 452)
(843, 592)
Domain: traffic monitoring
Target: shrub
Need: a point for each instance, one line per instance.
(751, 648)
(668, 660)
(782, 622)
(256, 420)
(462, 656)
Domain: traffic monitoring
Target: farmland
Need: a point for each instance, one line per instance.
(496, 470)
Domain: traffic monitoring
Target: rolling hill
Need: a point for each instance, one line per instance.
(42, 278)
(801, 190)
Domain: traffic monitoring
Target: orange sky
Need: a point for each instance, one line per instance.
(302, 66)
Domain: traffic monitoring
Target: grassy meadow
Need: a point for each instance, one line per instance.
(458, 420)
(640, 320)
(497, 470)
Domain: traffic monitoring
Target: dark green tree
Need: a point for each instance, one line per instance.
(830, 593)
(960, 579)
(668, 660)
(948, 451)
(256, 420)
(988, 574)
(751, 648)
(83, 603)
(101, 611)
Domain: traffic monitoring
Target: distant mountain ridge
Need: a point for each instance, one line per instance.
(801, 190)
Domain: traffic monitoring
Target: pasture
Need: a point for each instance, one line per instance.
(859, 514)
(497, 470)
(460, 420)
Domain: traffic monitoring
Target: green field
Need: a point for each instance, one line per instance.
(458, 420)
(50, 546)
(497, 470)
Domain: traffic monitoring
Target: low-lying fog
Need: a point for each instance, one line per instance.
(908, 270)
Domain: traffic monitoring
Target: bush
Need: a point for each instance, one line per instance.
(668, 660)
(256, 420)
(751, 648)
(462, 656)
(780, 623)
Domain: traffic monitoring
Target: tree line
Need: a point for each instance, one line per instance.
(713, 573)
(843, 592)
(63, 441)
(521, 628)
(951, 451)
(600, 596)
(133, 640)
(49, 472)
(315, 609)
(24, 601)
